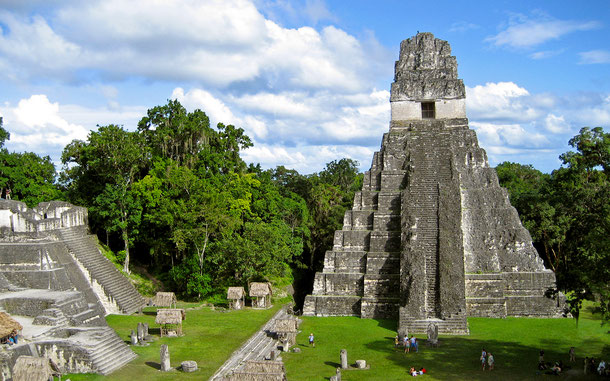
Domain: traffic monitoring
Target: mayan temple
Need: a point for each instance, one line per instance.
(432, 236)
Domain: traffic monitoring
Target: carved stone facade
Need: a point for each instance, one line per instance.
(432, 237)
(54, 278)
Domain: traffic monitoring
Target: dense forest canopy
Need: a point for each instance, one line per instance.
(175, 198)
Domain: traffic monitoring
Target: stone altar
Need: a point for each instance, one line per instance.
(432, 236)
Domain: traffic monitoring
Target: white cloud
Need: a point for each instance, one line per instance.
(595, 57)
(36, 125)
(44, 127)
(502, 100)
(556, 124)
(525, 32)
(218, 42)
(544, 54)
(511, 135)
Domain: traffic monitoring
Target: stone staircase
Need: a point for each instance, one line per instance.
(109, 352)
(115, 285)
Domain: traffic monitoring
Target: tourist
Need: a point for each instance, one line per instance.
(422, 370)
(572, 355)
(8, 193)
(556, 369)
(541, 357)
(405, 343)
(490, 361)
(416, 345)
(396, 341)
(413, 372)
(483, 358)
(601, 369)
(413, 345)
(311, 340)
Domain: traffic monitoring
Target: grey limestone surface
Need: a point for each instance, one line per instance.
(431, 237)
(47, 288)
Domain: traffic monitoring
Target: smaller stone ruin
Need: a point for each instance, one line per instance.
(57, 285)
(261, 293)
(236, 297)
(28, 368)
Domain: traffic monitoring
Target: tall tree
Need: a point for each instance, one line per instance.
(111, 159)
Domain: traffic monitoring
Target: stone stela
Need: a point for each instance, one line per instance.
(432, 237)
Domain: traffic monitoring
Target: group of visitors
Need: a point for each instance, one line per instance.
(487, 359)
(554, 368)
(11, 339)
(407, 343)
(601, 368)
(416, 373)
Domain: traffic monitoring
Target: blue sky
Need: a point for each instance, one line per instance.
(308, 80)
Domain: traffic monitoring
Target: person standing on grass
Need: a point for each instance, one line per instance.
(490, 361)
(572, 355)
(483, 358)
(405, 342)
(413, 343)
(311, 340)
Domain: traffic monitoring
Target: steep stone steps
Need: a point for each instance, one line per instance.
(109, 352)
(115, 285)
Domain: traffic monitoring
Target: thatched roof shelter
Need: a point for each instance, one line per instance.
(170, 316)
(260, 289)
(245, 376)
(165, 299)
(235, 293)
(264, 367)
(8, 325)
(28, 368)
(260, 371)
(170, 320)
(285, 326)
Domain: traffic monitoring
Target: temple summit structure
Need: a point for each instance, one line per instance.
(432, 237)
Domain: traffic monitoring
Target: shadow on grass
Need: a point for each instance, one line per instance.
(154, 365)
(333, 364)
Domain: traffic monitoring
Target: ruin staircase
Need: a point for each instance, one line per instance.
(115, 285)
(110, 352)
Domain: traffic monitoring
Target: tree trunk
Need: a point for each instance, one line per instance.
(126, 242)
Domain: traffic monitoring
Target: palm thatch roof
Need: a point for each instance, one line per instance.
(246, 376)
(252, 366)
(285, 326)
(235, 293)
(164, 299)
(260, 289)
(28, 368)
(170, 316)
(8, 325)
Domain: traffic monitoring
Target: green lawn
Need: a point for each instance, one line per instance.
(209, 338)
(514, 342)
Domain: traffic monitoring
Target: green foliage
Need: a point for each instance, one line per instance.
(567, 214)
(177, 193)
(29, 177)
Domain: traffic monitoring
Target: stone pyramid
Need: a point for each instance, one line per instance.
(432, 236)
